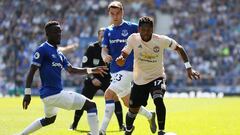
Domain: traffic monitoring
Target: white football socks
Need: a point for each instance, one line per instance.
(93, 122)
(143, 111)
(32, 127)
(109, 109)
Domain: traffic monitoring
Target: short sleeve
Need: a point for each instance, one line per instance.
(38, 57)
(65, 63)
(129, 46)
(105, 42)
(169, 42)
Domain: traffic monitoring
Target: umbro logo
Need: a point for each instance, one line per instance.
(54, 56)
(139, 46)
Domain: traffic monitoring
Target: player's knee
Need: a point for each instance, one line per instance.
(48, 121)
(109, 94)
(132, 112)
(89, 105)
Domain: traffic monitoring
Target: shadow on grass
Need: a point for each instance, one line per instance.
(87, 131)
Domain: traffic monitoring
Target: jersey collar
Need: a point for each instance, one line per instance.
(49, 44)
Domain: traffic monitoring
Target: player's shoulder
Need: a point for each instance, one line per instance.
(160, 37)
(42, 47)
(93, 44)
(134, 36)
(129, 23)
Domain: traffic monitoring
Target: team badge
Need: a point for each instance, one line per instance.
(156, 49)
(96, 61)
(124, 33)
(36, 55)
(84, 59)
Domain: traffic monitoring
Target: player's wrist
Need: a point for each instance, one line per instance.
(27, 91)
(187, 65)
(89, 70)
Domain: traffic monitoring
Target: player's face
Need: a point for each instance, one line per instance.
(54, 34)
(146, 31)
(116, 15)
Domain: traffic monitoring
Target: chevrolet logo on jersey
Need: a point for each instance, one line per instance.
(148, 56)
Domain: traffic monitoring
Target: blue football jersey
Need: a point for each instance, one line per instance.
(115, 38)
(50, 62)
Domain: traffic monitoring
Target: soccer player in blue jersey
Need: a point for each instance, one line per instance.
(50, 61)
(114, 40)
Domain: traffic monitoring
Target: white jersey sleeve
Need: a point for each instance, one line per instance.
(168, 42)
(129, 45)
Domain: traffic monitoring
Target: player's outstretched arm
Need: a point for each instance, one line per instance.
(192, 74)
(105, 56)
(120, 60)
(68, 48)
(27, 92)
(95, 70)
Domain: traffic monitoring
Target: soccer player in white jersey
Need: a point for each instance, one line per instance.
(148, 70)
(50, 61)
(115, 37)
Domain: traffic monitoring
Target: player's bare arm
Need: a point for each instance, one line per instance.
(95, 70)
(27, 95)
(105, 56)
(192, 74)
(68, 48)
(121, 59)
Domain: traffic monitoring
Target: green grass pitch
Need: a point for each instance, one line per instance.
(193, 116)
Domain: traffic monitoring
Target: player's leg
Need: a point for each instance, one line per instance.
(88, 91)
(157, 93)
(73, 101)
(50, 116)
(118, 106)
(119, 114)
(134, 107)
(109, 96)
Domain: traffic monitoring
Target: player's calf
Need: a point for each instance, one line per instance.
(48, 121)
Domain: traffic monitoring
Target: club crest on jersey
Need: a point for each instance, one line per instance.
(124, 33)
(36, 55)
(156, 49)
(140, 46)
(96, 61)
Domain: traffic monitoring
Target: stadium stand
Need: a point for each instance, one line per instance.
(208, 29)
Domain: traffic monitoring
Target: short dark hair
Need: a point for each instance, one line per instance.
(50, 23)
(145, 20)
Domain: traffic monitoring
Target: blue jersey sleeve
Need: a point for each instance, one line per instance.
(105, 42)
(65, 63)
(38, 57)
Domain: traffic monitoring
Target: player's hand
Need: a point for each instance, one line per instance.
(192, 74)
(96, 82)
(26, 101)
(107, 59)
(100, 70)
(120, 61)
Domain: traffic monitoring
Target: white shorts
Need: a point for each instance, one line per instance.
(121, 83)
(65, 99)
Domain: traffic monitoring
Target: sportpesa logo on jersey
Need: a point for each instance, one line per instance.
(118, 41)
(55, 64)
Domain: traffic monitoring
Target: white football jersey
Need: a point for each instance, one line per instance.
(148, 56)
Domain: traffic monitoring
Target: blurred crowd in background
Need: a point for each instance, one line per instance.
(208, 29)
